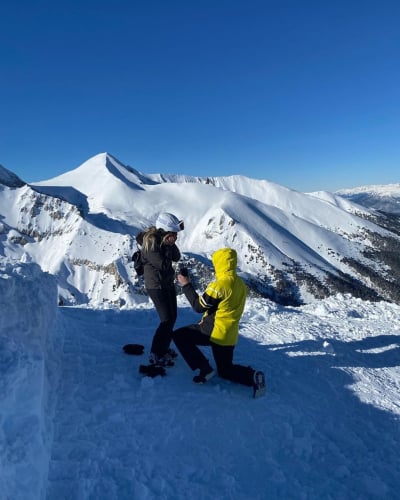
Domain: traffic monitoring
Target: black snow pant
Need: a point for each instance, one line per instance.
(189, 337)
(165, 303)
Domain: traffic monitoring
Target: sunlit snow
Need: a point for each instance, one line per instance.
(77, 420)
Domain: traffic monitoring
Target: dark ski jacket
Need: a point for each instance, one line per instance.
(157, 259)
(223, 300)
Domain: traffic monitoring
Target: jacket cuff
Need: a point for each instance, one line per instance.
(190, 292)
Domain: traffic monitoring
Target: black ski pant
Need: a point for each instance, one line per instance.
(164, 301)
(188, 338)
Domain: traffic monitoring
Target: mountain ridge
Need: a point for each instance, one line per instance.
(8, 178)
(292, 247)
(383, 198)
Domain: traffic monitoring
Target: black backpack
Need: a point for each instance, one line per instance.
(137, 262)
(137, 256)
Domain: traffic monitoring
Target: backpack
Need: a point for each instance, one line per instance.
(137, 256)
(137, 262)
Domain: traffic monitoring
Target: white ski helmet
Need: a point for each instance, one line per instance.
(169, 222)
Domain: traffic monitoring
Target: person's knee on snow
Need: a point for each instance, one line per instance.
(225, 372)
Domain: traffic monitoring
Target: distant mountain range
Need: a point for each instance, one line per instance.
(384, 198)
(293, 247)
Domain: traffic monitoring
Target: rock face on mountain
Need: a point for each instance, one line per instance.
(292, 247)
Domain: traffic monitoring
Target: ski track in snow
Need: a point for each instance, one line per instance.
(320, 433)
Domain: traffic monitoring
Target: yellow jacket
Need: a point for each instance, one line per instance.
(223, 301)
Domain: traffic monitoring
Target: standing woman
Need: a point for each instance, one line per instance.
(159, 250)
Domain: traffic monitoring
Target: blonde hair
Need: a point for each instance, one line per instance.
(150, 239)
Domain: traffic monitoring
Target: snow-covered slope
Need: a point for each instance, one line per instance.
(292, 246)
(385, 197)
(84, 253)
(77, 420)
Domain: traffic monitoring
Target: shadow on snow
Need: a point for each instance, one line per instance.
(310, 437)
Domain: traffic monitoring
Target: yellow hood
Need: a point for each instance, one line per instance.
(224, 261)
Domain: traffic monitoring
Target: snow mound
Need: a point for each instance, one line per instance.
(28, 374)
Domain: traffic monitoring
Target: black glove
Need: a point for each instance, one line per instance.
(184, 271)
(136, 349)
(152, 370)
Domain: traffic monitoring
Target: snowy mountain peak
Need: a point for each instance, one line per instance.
(9, 179)
(106, 183)
(97, 169)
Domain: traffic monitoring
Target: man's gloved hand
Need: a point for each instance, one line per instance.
(183, 276)
(184, 271)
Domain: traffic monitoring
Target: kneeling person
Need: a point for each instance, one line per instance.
(222, 304)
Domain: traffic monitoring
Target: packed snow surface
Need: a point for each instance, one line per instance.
(77, 420)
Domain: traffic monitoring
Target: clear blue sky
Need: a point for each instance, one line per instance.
(302, 93)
